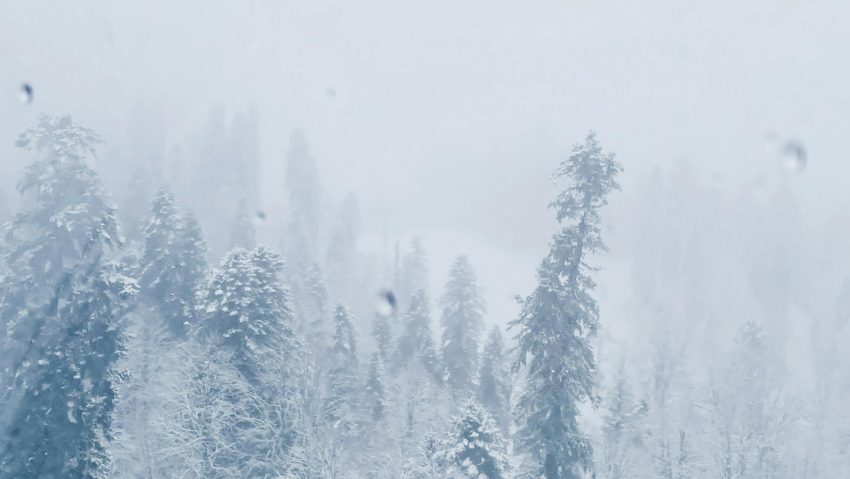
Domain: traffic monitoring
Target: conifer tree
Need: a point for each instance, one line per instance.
(382, 331)
(248, 316)
(342, 377)
(61, 305)
(416, 343)
(473, 448)
(173, 264)
(463, 315)
(375, 389)
(494, 380)
(413, 271)
(560, 317)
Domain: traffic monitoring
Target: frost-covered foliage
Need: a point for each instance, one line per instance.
(559, 318)
(463, 315)
(61, 306)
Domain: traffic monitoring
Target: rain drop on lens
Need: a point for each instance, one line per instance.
(793, 157)
(385, 303)
(25, 94)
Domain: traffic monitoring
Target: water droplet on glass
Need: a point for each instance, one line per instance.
(25, 94)
(793, 157)
(259, 217)
(386, 303)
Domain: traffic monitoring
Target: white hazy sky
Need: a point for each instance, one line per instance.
(447, 115)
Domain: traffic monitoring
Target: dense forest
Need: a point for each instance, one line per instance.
(162, 338)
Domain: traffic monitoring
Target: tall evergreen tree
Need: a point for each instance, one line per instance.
(559, 318)
(416, 343)
(249, 317)
(313, 309)
(463, 315)
(413, 271)
(382, 331)
(473, 448)
(494, 380)
(61, 302)
(375, 390)
(748, 416)
(302, 184)
(343, 375)
(173, 264)
(621, 433)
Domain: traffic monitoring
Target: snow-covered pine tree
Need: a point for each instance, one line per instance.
(61, 305)
(173, 264)
(313, 309)
(376, 401)
(473, 448)
(748, 412)
(193, 261)
(494, 380)
(302, 184)
(416, 343)
(668, 428)
(248, 315)
(620, 431)
(463, 315)
(341, 403)
(382, 332)
(413, 272)
(243, 234)
(559, 318)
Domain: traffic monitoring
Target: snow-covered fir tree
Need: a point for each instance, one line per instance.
(172, 265)
(473, 448)
(621, 431)
(61, 306)
(463, 316)
(248, 316)
(749, 419)
(494, 380)
(304, 191)
(313, 310)
(382, 332)
(341, 403)
(558, 320)
(375, 391)
(412, 272)
(416, 342)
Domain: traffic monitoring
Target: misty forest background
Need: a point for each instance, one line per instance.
(181, 345)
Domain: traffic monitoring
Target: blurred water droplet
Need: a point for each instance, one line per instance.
(331, 92)
(793, 157)
(386, 303)
(25, 94)
(259, 217)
